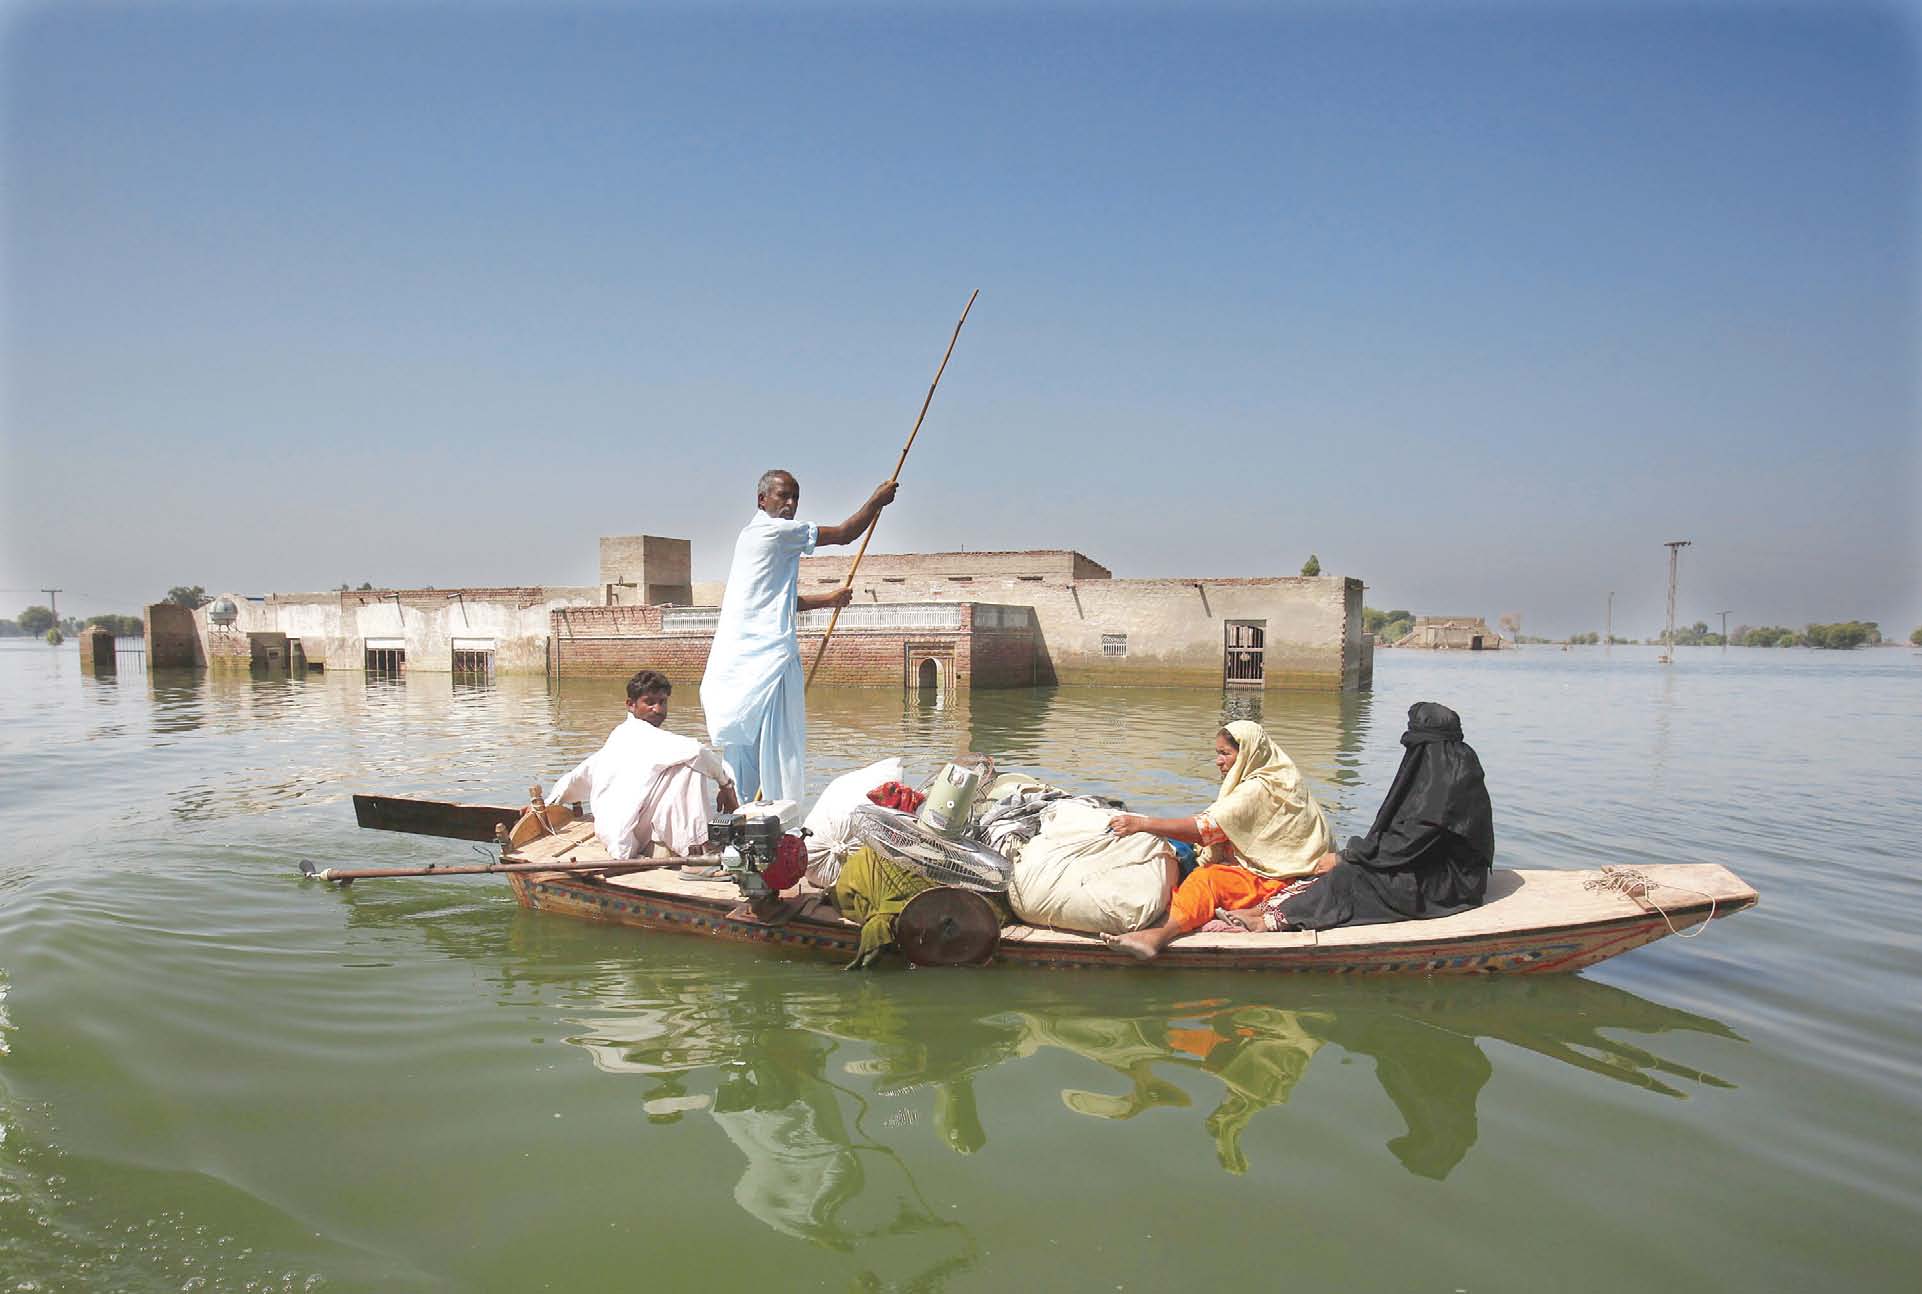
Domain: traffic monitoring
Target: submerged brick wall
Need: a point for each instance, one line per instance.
(172, 641)
(868, 649)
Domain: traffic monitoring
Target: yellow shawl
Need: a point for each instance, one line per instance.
(1270, 818)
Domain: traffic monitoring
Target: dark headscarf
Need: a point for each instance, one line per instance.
(1438, 792)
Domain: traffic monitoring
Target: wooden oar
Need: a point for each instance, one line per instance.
(342, 875)
(433, 817)
(863, 550)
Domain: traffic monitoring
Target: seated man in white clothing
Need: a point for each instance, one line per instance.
(647, 787)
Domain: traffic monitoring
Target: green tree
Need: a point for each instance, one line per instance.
(1843, 636)
(1312, 566)
(35, 621)
(1388, 626)
(54, 638)
(1915, 635)
(119, 626)
(8, 629)
(193, 597)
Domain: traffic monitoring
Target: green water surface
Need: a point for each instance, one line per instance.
(215, 1076)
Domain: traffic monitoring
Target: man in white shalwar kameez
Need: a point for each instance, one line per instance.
(647, 787)
(754, 690)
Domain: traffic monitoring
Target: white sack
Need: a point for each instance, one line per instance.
(1076, 876)
(827, 823)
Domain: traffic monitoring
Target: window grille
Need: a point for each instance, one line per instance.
(473, 664)
(1114, 644)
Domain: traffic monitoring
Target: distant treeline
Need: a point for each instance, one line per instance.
(1840, 636)
(1387, 626)
(35, 621)
(1845, 634)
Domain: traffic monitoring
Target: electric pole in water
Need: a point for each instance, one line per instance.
(1608, 631)
(1675, 547)
(1724, 616)
(53, 597)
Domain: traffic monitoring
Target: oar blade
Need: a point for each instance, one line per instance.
(432, 817)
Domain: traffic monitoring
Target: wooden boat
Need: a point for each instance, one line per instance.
(1534, 921)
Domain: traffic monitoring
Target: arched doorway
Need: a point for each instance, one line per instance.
(927, 669)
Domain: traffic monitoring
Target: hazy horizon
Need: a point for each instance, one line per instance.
(1479, 304)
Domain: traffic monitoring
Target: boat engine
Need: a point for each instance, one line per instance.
(757, 855)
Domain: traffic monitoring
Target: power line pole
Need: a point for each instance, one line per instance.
(53, 597)
(1608, 633)
(1675, 547)
(1724, 616)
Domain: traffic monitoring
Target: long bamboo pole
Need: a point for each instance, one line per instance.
(835, 619)
(341, 875)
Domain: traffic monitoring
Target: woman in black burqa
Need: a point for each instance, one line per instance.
(1428, 853)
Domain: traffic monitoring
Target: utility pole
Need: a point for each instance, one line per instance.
(1608, 633)
(1675, 547)
(53, 599)
(1724, 616)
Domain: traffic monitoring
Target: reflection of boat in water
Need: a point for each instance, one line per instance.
(1533, 921)
(817, 1168)
(1424, 1040)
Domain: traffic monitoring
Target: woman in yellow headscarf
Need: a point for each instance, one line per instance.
(1263, 833)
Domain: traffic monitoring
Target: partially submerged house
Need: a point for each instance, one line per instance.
(1453, 633)
(919, 620)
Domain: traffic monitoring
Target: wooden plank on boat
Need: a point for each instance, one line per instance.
(432, 817)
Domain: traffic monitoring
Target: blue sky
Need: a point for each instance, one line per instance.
(1479, 303)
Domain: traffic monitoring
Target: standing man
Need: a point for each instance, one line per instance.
(754, 692)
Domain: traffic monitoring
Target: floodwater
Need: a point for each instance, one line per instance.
(216, 1076)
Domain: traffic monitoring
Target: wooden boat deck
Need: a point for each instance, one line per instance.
(1533, 920)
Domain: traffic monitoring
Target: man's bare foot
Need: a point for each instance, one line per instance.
(1248, 919)
(1136, 944)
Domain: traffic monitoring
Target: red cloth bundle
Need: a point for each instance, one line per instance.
(897, 795)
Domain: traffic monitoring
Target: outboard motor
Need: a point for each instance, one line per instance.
(749, 847)
(757, 855)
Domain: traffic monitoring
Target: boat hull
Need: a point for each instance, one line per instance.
(1534, 923)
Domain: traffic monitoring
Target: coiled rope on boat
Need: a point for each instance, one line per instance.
(1634, 884)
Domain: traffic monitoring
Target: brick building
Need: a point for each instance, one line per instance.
(919, 620)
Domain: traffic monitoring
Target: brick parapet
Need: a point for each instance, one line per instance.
(606, 641)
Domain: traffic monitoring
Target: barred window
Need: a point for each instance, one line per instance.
(1114, 644)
